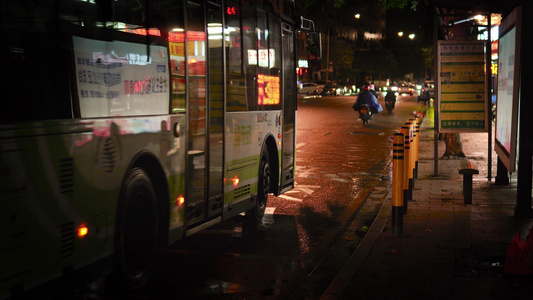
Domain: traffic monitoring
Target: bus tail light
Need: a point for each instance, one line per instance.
(180, 200)
(83, 230)
(235, 181)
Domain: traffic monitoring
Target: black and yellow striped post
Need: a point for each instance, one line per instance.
(397, 183)
(411, 159)
(406, 131)
(416, 144)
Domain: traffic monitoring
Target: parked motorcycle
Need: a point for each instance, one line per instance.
(364, 113)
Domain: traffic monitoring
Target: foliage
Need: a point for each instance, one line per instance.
(342, 56)
(341, 3)
(311, 3)
(427, 54)
(399, 3)
(376, 62)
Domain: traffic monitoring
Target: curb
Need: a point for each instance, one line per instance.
(339, 284)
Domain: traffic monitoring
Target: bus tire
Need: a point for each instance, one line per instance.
(263, 186)
(253, 220)
(136, 231)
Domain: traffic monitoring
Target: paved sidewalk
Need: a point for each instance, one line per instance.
(448, 250)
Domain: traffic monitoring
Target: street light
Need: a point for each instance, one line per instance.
(357, 16)
(412, 36)
(400, 33)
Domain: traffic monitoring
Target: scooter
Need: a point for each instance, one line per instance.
(389, 104)
(364, 113)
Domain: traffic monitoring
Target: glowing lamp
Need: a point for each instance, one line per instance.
(83, 231)
(235, 181)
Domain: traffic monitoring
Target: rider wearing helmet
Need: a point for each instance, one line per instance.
(367, 97)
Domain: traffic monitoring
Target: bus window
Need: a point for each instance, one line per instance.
(33, 64)
(127, 75)
(273, 88)
(235, 82)
(216, 107)
(176, 43)
(249, 45)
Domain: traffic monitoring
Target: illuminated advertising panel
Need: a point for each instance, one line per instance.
(508, 90)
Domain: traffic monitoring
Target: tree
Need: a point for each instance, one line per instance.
(342, 56)
(399, 3)
(379, 62)
(427, 53)
(454, 145)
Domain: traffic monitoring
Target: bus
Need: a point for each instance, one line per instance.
(128, 125)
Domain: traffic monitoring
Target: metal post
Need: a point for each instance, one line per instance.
(411, 159)
(436, 104)
(397, 183)
(406, 164)
(416, 144)
(488, 92)
(467, 188)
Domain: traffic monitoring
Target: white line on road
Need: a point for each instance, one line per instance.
(290, 198)
(269, 210)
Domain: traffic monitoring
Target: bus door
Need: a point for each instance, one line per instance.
(205, 113)
(289, 106)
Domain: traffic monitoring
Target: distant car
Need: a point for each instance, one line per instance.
(308, 88)
(429, 87)
(329, 89)
(404, 88)
(427, 92)
(320, 85)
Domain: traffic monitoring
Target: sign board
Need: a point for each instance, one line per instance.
(462, 87)
(119, 78)
(508, 97)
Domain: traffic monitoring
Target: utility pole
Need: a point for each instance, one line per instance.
(327, 57)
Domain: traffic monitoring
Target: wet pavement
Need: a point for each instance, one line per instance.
(447, 250)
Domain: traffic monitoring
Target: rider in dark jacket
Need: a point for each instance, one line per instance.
(367, 97)
(391, 97)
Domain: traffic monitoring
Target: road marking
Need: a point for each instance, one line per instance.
(290, 198)
(308, 189)
(300, 145)
(269, 210)
(268, 218)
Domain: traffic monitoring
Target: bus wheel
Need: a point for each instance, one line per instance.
(263, 187)
(136, 232)
(255, 215)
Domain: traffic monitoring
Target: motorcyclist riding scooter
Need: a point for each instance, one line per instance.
(367, 104)
(390, 101)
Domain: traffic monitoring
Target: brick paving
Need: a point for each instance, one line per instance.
(448, 250)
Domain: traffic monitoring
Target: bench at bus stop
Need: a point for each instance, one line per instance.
(467, 168)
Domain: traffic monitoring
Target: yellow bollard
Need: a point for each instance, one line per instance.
(416, 144)
(397, 183)
(411, 125)
(406, 166)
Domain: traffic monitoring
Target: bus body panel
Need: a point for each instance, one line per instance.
(246, 134)
(191, 102)
(58, 176)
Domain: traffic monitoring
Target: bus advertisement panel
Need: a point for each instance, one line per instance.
(111, 75)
